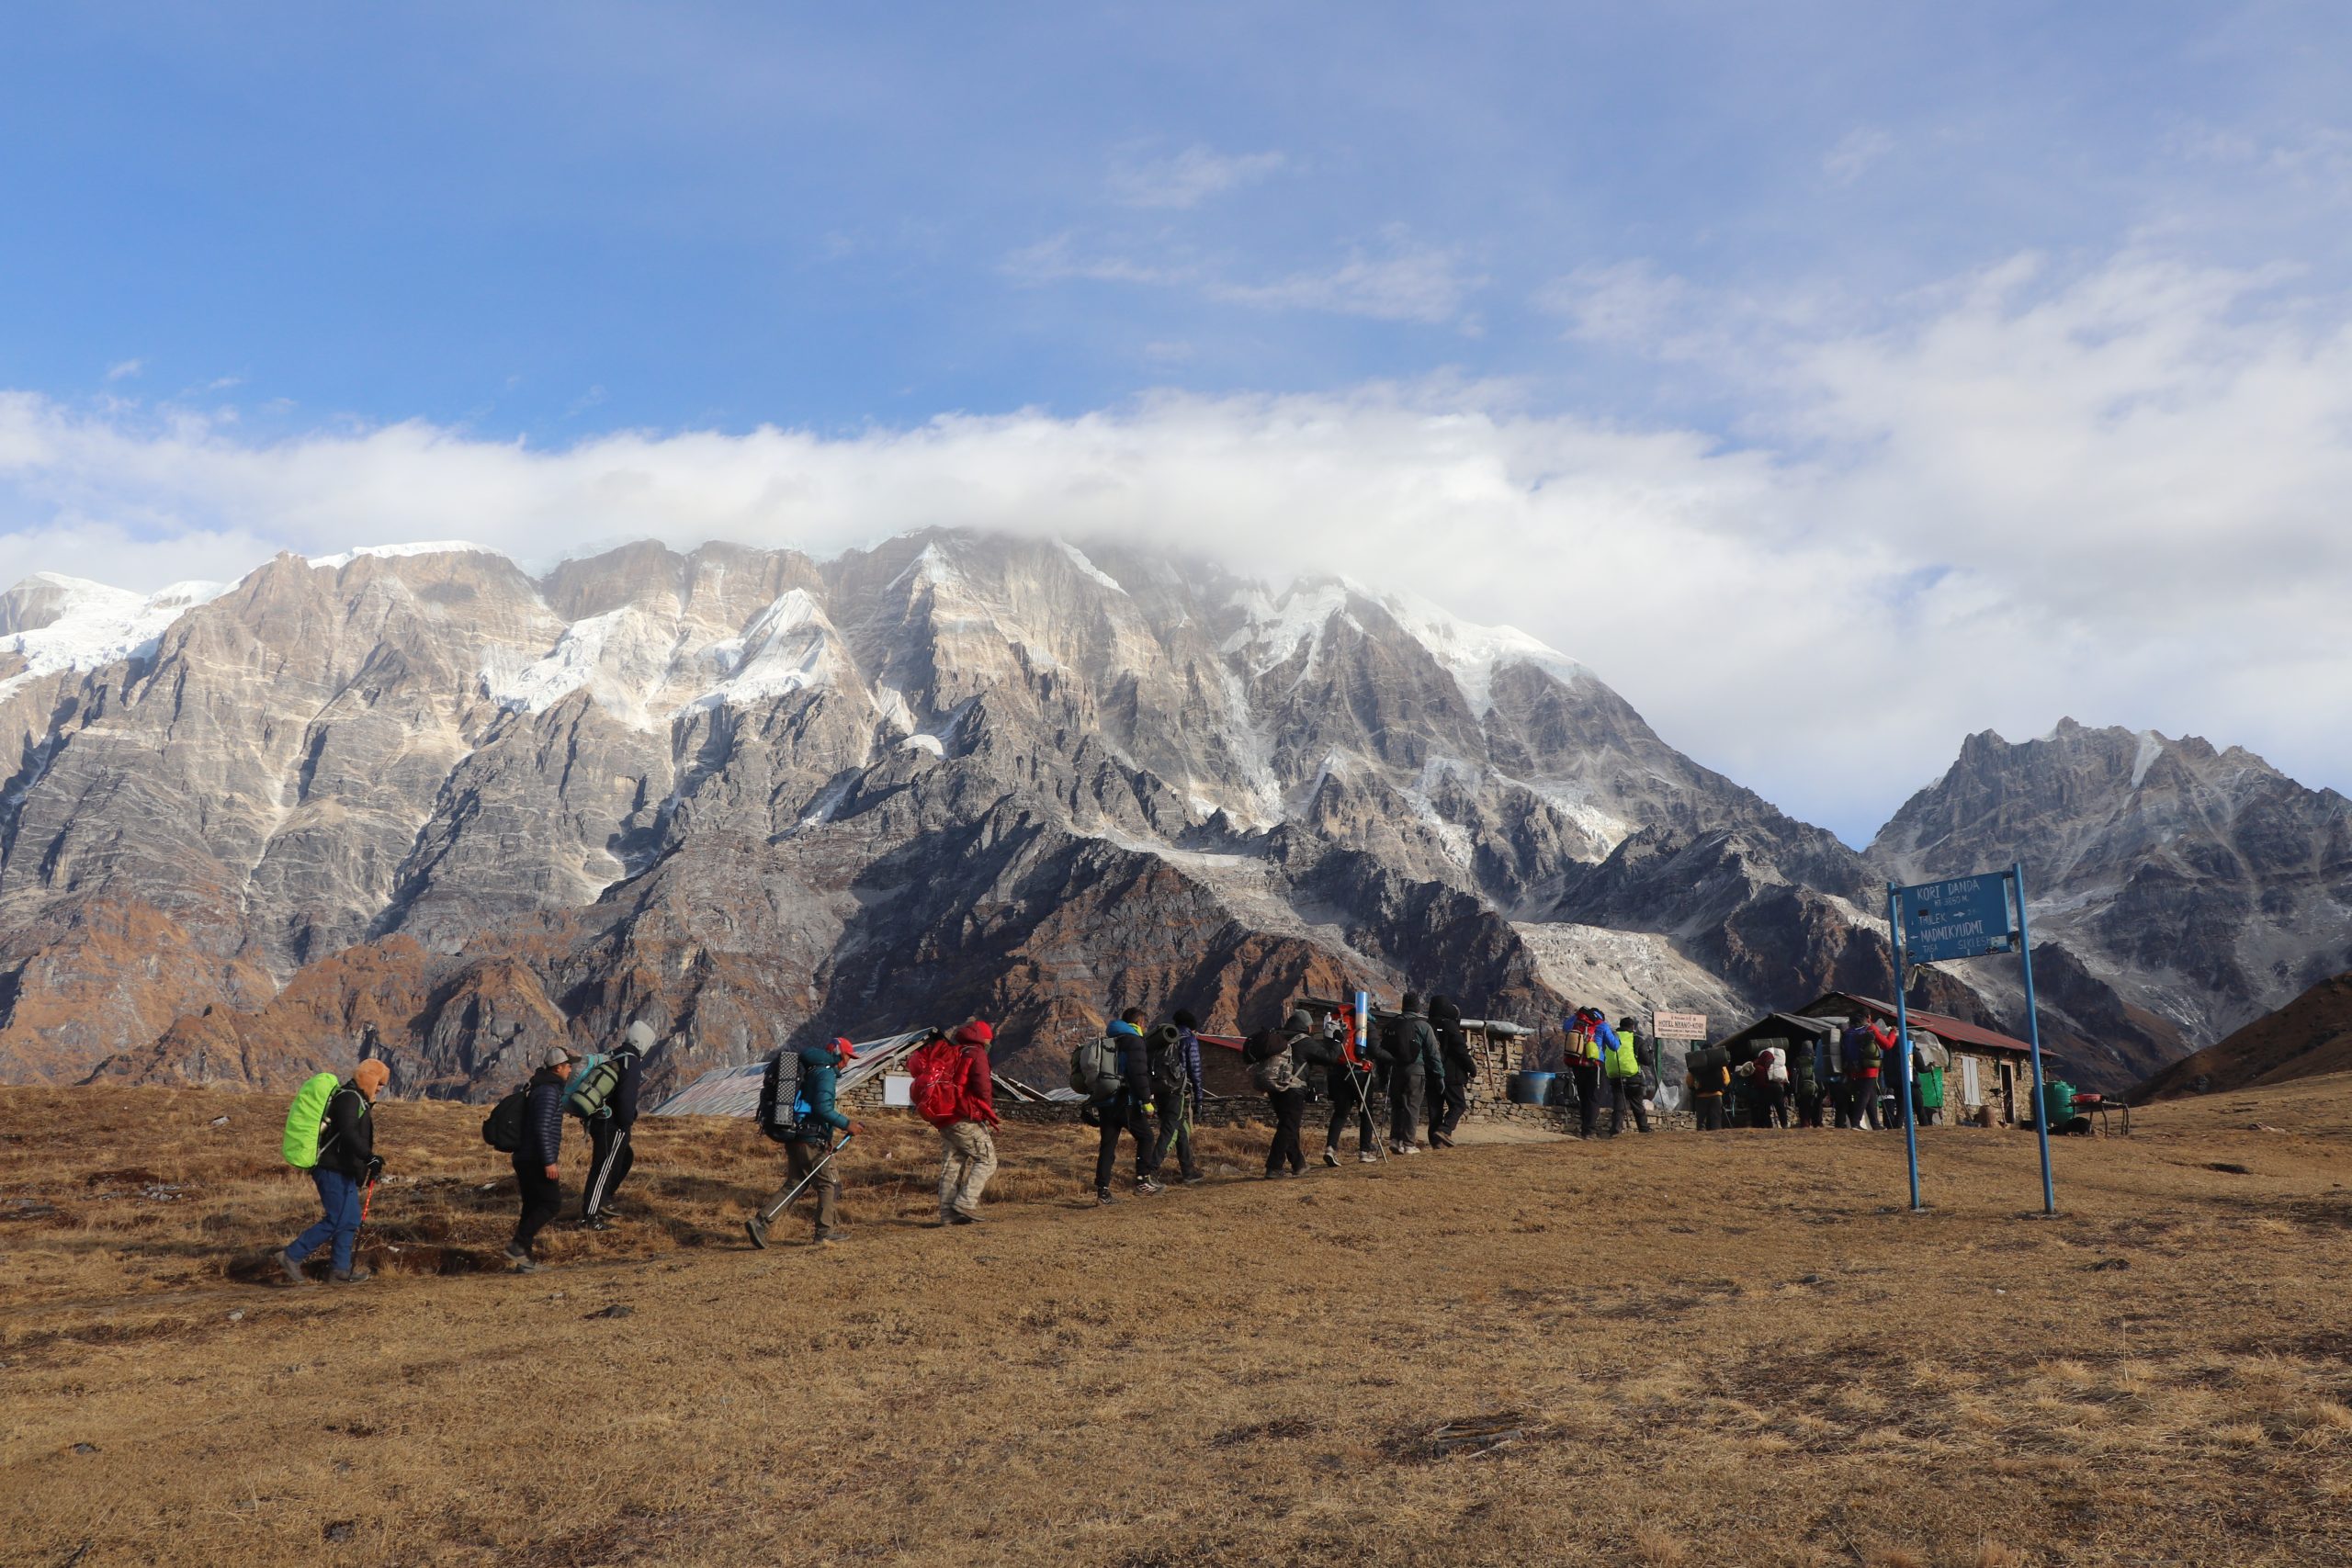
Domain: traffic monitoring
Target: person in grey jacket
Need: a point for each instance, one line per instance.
(1417, 1067)
(538, 1178)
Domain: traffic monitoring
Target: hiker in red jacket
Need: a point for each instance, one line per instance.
(967, 1147)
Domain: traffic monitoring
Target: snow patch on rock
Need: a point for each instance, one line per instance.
(88, 626)
(2151, 746)
(1473, 654)
(394, 552)
(1087, 568)
(786, 649)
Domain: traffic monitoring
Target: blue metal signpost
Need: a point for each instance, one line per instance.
(1903, 1046)
(1965, 917)
(2033, 1038)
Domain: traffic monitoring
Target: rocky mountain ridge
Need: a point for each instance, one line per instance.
(2201, 887)
(425, 797)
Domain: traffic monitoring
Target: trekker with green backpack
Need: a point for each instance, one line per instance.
(338, 1135)
(603, 1093)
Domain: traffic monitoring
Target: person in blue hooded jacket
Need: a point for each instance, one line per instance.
(1130, 1111)
(809, 1150)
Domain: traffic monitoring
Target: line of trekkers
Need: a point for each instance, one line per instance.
(1140, 1083)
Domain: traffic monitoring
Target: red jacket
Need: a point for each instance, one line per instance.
(978, 1096)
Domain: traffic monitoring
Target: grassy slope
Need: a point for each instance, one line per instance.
(2309, 1036)
(1786, 1370)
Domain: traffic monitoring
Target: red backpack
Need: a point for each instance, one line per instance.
(938, 1070)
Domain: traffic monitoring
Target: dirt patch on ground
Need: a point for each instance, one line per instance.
(1668, 1350)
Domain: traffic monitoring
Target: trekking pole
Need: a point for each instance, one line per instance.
(1363, 1107)
(768, 1215)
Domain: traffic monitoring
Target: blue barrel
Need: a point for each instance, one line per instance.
(1530, 1089)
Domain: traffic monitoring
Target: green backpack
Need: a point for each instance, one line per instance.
(593, 1082)
(305, 1119)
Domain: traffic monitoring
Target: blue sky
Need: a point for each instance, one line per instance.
(1784, 282)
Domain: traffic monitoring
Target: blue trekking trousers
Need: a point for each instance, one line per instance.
(339, 1197)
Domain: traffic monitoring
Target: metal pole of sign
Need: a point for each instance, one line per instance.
(1903, 1043)
(2033, 1038)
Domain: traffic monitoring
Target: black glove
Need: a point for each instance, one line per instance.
(375, 1167)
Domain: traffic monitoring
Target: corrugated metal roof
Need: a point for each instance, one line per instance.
(735, 1091)
(1952, 1031)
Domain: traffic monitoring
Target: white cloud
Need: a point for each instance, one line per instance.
(124, 370)
(1624, 303)
(1856, 151)
(1402, 280)
(1189, 177)
(2117, 495)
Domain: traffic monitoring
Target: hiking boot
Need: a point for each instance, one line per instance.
(294, 1275)
(1365, 1156)
(1194, 1178)
(1104, 1197)
(1148, 1187)
(592, 1222)
(1441, 1141)
(757, 1231)
(521, 1262)
(960, 1218)
(1331, 1159)
(1410, 1149)
(352, 1276)
(827, 1238)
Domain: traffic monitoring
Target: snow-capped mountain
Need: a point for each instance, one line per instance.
(752, 796)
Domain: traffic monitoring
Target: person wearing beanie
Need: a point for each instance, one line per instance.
(1417, 1066)
(1621, 1062)
(1450, 1101)
(538, 1178)
(1130, 1112)
(1276, 1065)
(967, 1144)
(347, 1166)
(611, 1152)
(1176, 1089)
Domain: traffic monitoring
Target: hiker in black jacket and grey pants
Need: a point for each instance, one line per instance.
(536, 1172)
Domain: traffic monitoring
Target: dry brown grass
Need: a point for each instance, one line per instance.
(1795, 1371)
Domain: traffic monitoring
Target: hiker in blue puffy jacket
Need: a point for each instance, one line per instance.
(1129, 1111)
(538, 1178)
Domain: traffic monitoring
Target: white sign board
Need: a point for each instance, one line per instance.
(1678, 1025)
(898, 1088)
